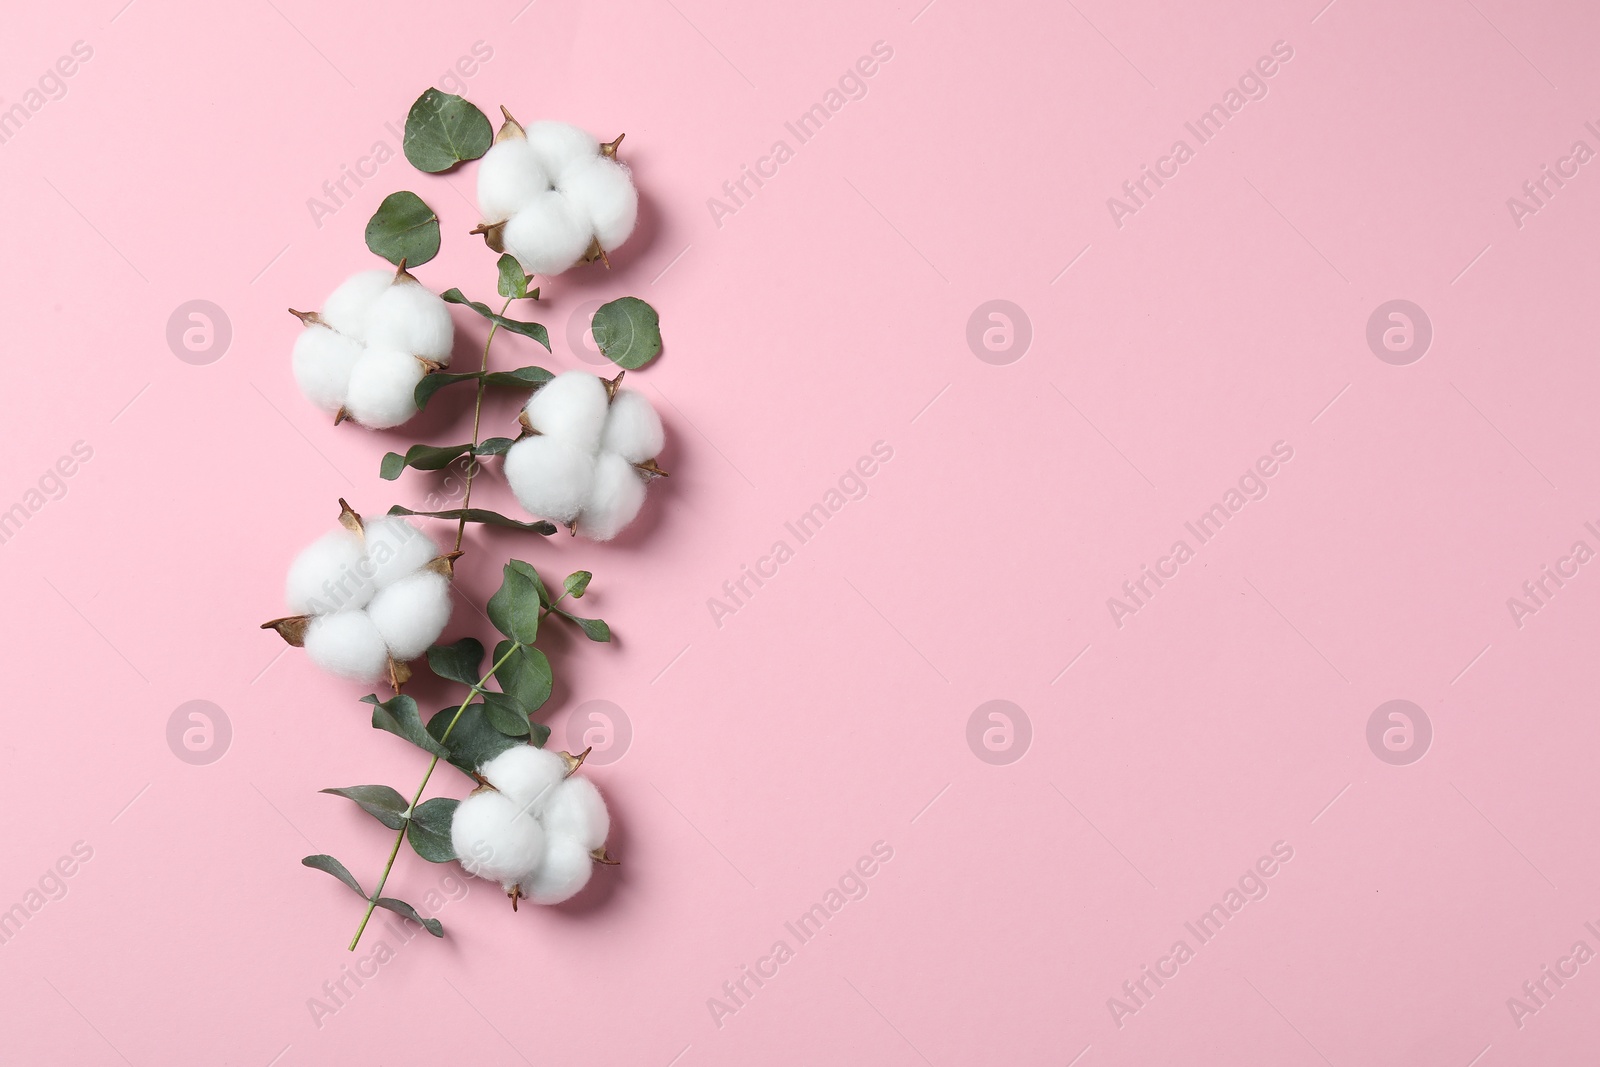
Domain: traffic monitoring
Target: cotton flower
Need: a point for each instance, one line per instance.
(590, 453)
(363, 354)
(550, 195)
(533, 827)
(367, 598)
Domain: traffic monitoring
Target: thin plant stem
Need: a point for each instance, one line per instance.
(477, 418)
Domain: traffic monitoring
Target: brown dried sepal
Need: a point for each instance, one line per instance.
(613, 385)
(403, 275)
(649, 467)
(609, 148)
(574, 762)
(307, 318)
(491, 234)
(445, 565)
(515, 893)
(600, 855)
(510, 129)
(292, 629)
(527, 426)
(399, 673)
(340, 415)
(430, 366)
(349, 519)
(594, 252)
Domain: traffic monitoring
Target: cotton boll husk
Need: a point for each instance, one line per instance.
(348, 644)
(528, 775)
(603, 191)
(395, 549)
(576, 810)
(564, 869)
(348, 307)
(617, 495)
(381, 386)
(550, 477)
(510, 177)
(493, 839)
(323, 359)
(411, 613)
(572, 406)
(410, 318)
(559, 145)
(313, 586)
(547, 235)
(633, 429)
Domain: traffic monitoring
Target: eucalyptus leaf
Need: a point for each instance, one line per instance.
(379, 801)
(577, 582)
(503, 715)
(521, 378)
(432, 383)
(472, 741)
(495, 446)
(337, 869)
(399, 716)
(442, 130)
(513, 282)
(533, 576)
(422, 458)
(594, 629)
(524, 677)
(404, 228)
(481, 515)
(514, 607)
(628, 332)
(526, 329)
(459, 662)
(404, 910)
(429, 832)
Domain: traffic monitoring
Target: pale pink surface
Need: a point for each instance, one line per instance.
(772, 751)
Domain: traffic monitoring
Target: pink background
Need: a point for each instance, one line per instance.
(830, 312)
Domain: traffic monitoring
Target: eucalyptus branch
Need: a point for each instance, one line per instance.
(477, 419)
(400, 834)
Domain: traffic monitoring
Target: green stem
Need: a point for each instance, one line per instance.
(400, 835)
(477, 418)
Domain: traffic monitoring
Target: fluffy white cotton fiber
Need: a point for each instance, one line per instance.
(551, 193)
(369, 597)
(326, 577)
(493, 839)
(411, 613)
(533, 800)
(583, 464)
(348, 644)
(365, 351)
(526, 774)
(633, 429)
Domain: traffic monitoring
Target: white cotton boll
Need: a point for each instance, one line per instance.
(510, 177)
(493, 839)
(530, 776)
(617, 495)
(572, 406)
(411, 613)
(326, 576)
(633, 429)
(395, 550)
(564, 869)
(559, 145)
(348, 644)
(603, 191)
(323, 359)
(381, 387)
(348, 307)
(411, 318)
(576, 810)
(547, 235)
(550, 477)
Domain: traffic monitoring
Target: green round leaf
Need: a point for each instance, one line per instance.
(404, 228)
(628, 332)
(460, 662)
(514, 608)
(429, 832)
(442, 130)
